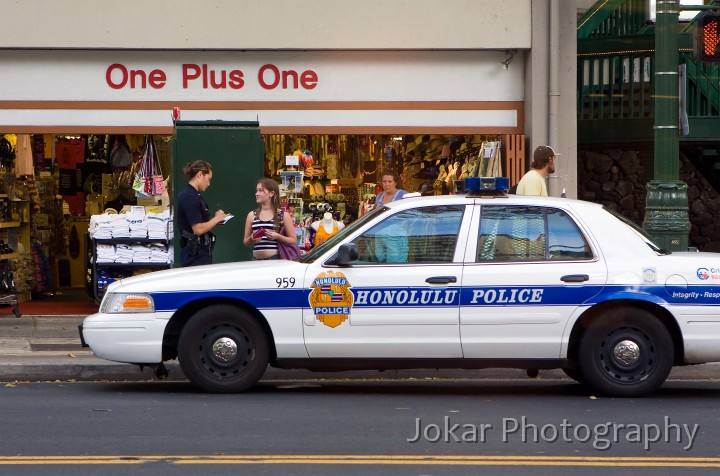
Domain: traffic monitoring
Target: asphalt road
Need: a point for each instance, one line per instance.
(358, 427)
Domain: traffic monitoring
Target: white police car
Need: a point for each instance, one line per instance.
(434, 282)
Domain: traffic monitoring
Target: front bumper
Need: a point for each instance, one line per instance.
(82, 339)
(135, 339)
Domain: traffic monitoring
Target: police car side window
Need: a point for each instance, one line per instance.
(519, 233)
(422, 235)
(565, 240)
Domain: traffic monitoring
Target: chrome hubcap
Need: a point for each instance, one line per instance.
(626, 352)
(224, 349)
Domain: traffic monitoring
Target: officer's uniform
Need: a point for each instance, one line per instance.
(191, 209)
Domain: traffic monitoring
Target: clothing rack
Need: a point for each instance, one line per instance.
(8, 292)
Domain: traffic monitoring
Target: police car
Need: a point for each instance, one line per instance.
(460, 281)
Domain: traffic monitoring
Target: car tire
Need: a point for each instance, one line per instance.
(574, 374)
(223, 349)
(626, 353)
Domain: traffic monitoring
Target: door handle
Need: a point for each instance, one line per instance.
(441, 280)
(575, 278)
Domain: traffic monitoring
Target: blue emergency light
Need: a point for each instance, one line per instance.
(485, 186)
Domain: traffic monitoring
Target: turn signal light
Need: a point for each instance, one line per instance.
(115, 303)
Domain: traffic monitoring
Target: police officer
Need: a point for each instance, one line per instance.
(193, 217)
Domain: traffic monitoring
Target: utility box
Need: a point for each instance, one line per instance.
(235, 151)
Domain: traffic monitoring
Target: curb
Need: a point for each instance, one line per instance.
(90, 368)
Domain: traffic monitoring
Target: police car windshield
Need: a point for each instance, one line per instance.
(643, 234)
(318, 251)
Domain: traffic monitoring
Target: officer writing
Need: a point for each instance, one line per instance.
(193, 217)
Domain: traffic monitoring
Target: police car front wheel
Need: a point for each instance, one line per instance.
(223, 349)
(626, 353)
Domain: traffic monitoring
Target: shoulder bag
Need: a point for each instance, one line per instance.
(288, 252)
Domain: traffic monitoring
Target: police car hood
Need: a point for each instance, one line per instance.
(215, 276)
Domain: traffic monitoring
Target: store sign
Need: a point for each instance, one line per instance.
(259, 76)
(380, 89)
(269, 76)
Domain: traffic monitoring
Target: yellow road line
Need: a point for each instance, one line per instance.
(462, 460)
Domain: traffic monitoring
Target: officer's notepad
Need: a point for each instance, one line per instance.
(227, 219)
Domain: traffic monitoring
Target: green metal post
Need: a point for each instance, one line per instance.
(666, 205)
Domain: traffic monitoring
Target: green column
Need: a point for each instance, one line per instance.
(666, 206)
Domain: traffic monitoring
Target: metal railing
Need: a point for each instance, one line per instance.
(616, 61)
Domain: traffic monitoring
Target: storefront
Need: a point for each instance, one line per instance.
(424, 114)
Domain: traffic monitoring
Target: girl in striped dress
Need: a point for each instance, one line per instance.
(262, 225)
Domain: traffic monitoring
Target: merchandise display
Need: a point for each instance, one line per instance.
(120, 244)
(54, 186)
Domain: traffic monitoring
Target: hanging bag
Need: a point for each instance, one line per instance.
(158, 186)
(149, 180)
(288, 252)
(139, 182)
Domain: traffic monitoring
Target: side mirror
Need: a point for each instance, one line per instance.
(346, 254)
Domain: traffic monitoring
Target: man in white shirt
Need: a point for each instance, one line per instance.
(543, 164)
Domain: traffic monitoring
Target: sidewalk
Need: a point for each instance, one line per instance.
(47, 348)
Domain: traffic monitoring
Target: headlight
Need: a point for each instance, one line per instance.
(120, 303)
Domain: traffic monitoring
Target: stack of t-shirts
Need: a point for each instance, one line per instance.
(171, 228)
(141, 254)
(105, 253)
(124, 254)
(101, 226)
(158, 225)
(161, 254)
(120, 228)
(137, 225)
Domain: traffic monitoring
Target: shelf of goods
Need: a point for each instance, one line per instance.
(100, 272)
(14, 237)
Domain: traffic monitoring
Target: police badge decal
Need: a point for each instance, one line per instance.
(331, 299)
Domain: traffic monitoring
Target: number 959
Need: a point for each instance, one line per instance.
(285, 282)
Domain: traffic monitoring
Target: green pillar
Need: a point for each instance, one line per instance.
(666, 204)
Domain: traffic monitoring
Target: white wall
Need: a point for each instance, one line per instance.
(545, 123)
(267, 24)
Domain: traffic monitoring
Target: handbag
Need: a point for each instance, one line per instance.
(288, 252)
(149, 180)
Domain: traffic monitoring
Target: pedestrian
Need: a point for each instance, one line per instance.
(193, 216)
(391, 189)
(543, 164)
(263, 225)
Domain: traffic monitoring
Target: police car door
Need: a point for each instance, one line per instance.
(529, 272)
(400, 299)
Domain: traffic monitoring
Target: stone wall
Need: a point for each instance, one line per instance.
(616, 178)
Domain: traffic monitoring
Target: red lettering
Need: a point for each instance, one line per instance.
(236, 79)
(220, 79)
(205, 76)
(137, 74)
(218, 83)
(123, 76)
(275, 76)
(308, 79)
(157, 78)
(191, 72)
(137, 78)
(269, 77)
(290, 75)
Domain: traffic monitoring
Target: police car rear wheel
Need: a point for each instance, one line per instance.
(222, 349)
(627, 353)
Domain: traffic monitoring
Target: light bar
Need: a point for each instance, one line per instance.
(486, 185)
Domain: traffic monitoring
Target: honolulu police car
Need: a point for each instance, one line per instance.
(458, 281)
